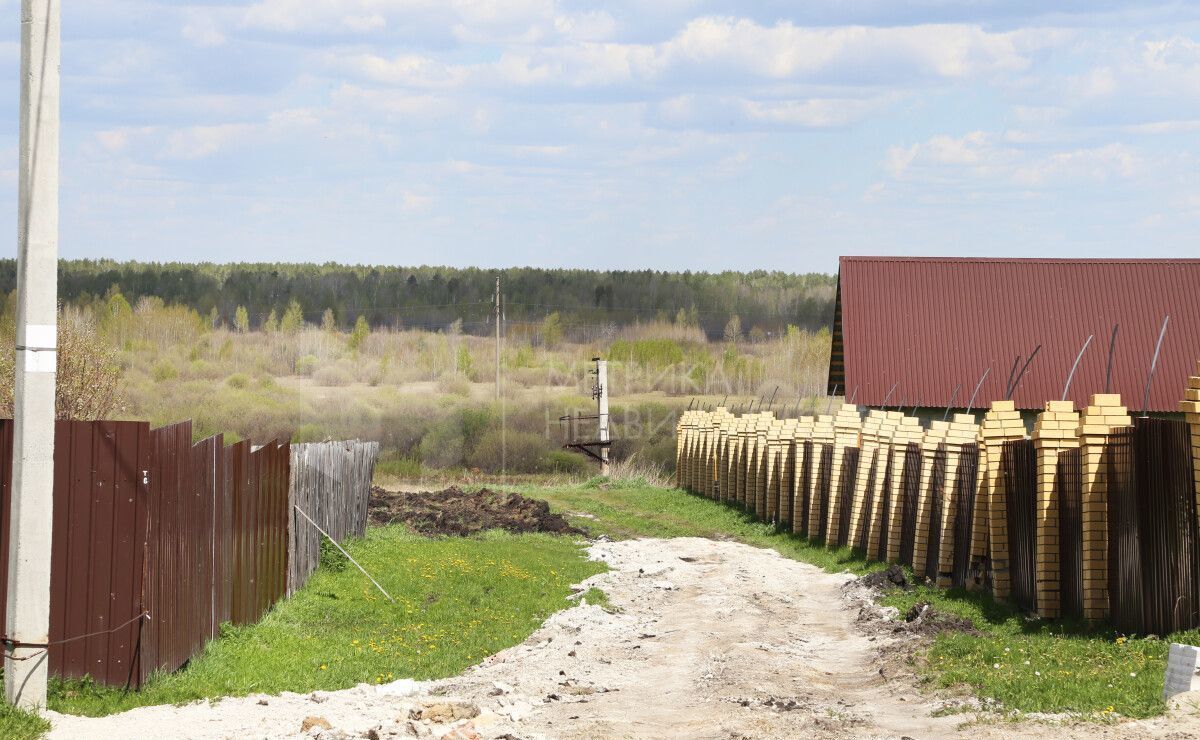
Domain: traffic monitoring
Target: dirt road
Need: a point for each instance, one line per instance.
(711, 640)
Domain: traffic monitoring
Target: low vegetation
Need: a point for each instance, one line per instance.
(429, 397)
(457, 601)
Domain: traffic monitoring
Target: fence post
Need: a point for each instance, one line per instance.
(847, 429)
(1056, 429)
(1001, 424)
(1104, 414)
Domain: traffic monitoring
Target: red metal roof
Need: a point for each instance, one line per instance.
(929, 324)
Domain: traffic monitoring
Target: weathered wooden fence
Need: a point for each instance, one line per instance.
(1094, 515)
(331, 483)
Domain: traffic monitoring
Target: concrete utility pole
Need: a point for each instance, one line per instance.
(497, 303)
(31, 513)
(602, 411)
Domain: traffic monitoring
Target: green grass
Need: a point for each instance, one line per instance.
(16, 724)
(1071, 668)
(1040, 666)
(459, 600)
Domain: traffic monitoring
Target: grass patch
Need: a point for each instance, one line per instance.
(1053, 667)
(598, 598)
(17, 724)
(1038, 666)
(459, 600)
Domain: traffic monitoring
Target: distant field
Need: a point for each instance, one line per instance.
(429, 397)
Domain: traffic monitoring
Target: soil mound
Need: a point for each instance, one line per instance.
(894, 575)
(923, 619)
(461, 513)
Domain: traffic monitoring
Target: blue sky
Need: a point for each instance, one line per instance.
(673, 134)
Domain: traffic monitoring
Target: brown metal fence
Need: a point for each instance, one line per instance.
(157, 541)
(937, 487)
(1166, 516)
(964, 513)
(1124, 555)
(1018, 466)
(910, 490)
(1069, 485)
(846, 493)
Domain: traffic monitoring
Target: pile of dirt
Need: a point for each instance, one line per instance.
(462, 513)
(923, 619)
(893, 576)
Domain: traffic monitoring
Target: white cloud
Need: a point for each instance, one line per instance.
(1000, 159)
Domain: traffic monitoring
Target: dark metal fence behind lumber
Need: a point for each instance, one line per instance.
(937, 486)
(850, 458)
(864, 516)
(1069, 487)
(1018, 466)
(800, 521)
(824, 482)
(1124, 554)
(1166, 505)
(910, 489)
(964, 515)
(885, 507)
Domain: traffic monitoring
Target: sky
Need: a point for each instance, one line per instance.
(663, 134)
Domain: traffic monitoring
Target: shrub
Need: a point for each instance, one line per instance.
(332, 376)
(454, 384)
(519, 452)
(238, 380)
(164, 370)
(306, 365)
(570, 463)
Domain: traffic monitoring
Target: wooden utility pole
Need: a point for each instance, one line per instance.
(31, 512)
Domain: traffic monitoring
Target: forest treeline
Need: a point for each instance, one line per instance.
(435, 297)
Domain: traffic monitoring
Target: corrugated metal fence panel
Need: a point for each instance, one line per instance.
(1166, 515)
(97, 554)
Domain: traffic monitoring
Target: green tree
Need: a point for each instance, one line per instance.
(241, 320)
(552, 330)
(293, 318)
(117, 312)
(271, 325)
(361, 331)
(464, 362)
(328, 322)
(733, 329)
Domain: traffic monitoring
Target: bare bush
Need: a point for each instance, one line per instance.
(89, 376)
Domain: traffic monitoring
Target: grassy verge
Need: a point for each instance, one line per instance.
(16, 724)
(458, 601)
(1027, 665)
